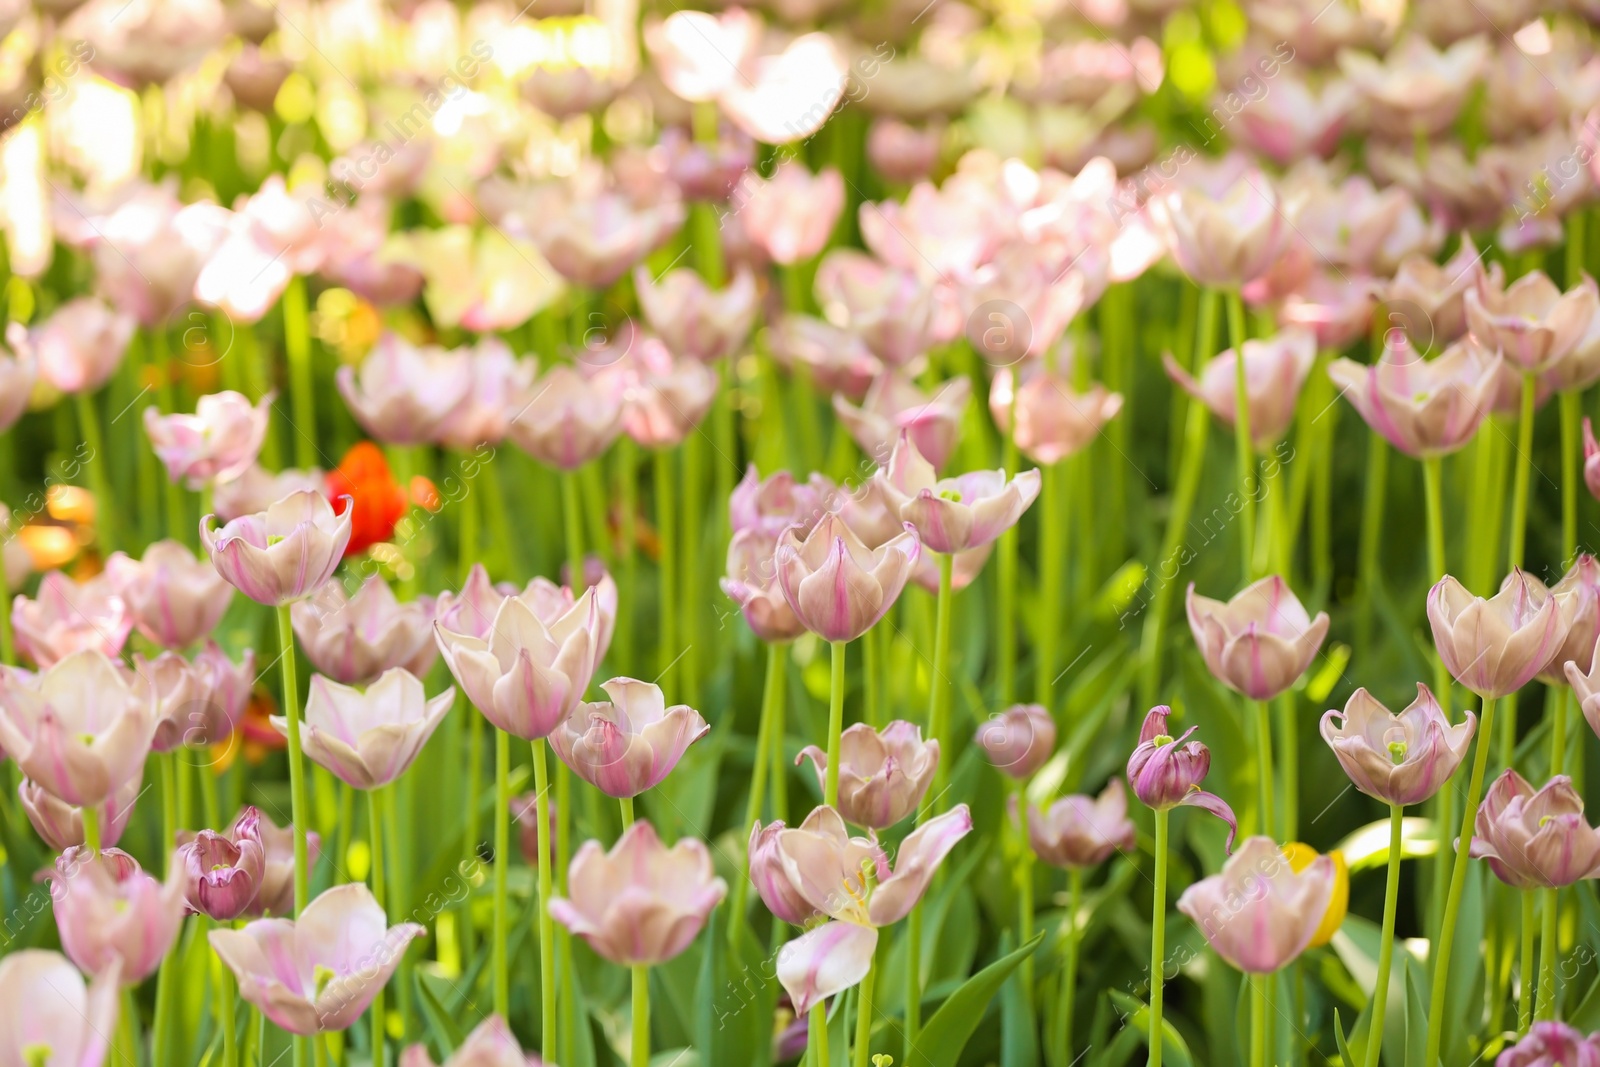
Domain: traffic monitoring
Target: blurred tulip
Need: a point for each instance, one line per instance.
(61, 824)
(1081, 831)
(1053, 419)
(782, 97)
(1315, 37)
(360, 252)
(936, 232)
(1224, 239)
(255, 78)
(1259, 914)
(888, 308)
(79, 730)
(256, 490)
(630, 743)
(1359, 227)
(491, 1044)
(1552, 1044)
(964, 569)
(895, 405)
(641, 903)
(78, 347)
(49, 1017)
(481, 280)
(484, 417)
(404, 394)
(148, 251)
(698, 55)
(1578, 596)
(1424, 407)
(883, 774)
(353, 639)
(770, 507)
(1166, 772)
(148, 42)
(363, 488)
(198, 703)
(563, 92)
(752, 583)
(837, 360)
(705, 171)
(1495, 647)
(790, 215)
(17, 374)
(1536, 839)
(838, 587)
(667, 396)
(1018, 740)
(1532, 322)
(276, 896)
(1021, 302)
(1275, 370)
(594, 236)
(223, 871)
(1293, 121)
(1415, 89)
(69, 616)
(953, 514)
(1399, 759)
(902, 152)
(368, 738)
(215, 444)
(342, 938)
(1429, 300)
(564, 419)
(694, 320)
(110, 912)
(1259, 643)
(282, 554)
(174, 598)
(1300, 857)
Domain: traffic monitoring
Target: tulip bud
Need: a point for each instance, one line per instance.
(953, 515)
(1259, 914)
(1260, 642)
(837, 586)
(883, 774)
(1166, 772)
(223, 871)
(1019, 740)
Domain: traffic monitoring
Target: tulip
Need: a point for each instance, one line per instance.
(353, 639)
(641, 903)
(1259, 914)
(1536, 839)
(666, 397)
(404, 394)
(198, 703)
(694, 320)
(215, 444)
(17, 375)
(483, 418)
(79, 730)
(282, 554)
(1274, 371)
(1359, 227)
(1260, 642)
(1495, 647)
(1429, 300)
(886, 306)
(1300, 857)
(954, 514)
(369, 738)
(901, 152)
(1293, 121)
(698, 55)
(526, 674)
(1532, 322)
(1166, 772)
(1416, 89)
(1552, 1044)
(1585, 682)
(883, 774)
(895, 405)
(491, 1044)
(223, 871)
(629, 743)
(1225, 239)
(256, 490)
(1578, 594)
(110, 912)
(937, 232)
(1424, 407)
(1337, 310)
(1021, 302)
(77, 348)
(752, 583)
(1399, 759)
(364, 487)
(61, 824)
(551, 601)
(567, 91)
(770, 507)
(836, 360)
(1081, 831)
(706, 171)
(837, 586)
(320, 971)
(565, 420)
(49, 1017)
(785, 97)
(174, 598)
(472, 610)
(1591, 459)
(825, 961)
(594, 235)
(478, 279)
(790, 215)
(69, 617)
(771, 879)
(276, 895)
(1019, 740)
(1053, 420)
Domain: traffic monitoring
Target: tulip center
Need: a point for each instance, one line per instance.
(952, 495)
(86, 739)
(322, 976)
(1161, 740)
(1397, 751)
(36, 1055)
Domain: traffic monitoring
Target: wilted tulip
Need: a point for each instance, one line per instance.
(369, 738)
(953, 514)
(693, 319)
(1274, 371)
(1082, 831)
(17, 374)
(1227, 238)
(174, 598)
(629, 743)
(1532, 322)
(79, 730)
(276, 896)
(342, 939)
(282, 554)
(223, 871)
(215, 444)
(886, 306)
(1399, 759)
(491, 1044)
(1424, 407)
(1018, 740)
(1053, 419)
(402, 394)
(565, 420)
(1260, 642)
(1259, 914)
(895, 405)
(883, 774)
(61, 824)
(1495, 647)
(48, 1016)
(69, 616)
(77, 348)
(1166, 772)
(1552, 1044)
(109, 911)
(641, 903)
(837, 586)
(790, 215)
(353, 639)
(1536, 839)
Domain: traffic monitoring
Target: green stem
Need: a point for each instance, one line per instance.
(667, 593)
(469, 518)
(1571, 406)
(499, 962)
(626, 804)
(161, 1023)
(91, 829)
(105, 509)
(1069, 977)
(818, 1038)
(1024, 890)
(1006, 579)
(1258, 1019)
(1391, 904)
(1458, 877)
(474, 830)
(1558, 729)
(1158, 937)
(299, 810)
(692, 518)
(1547, 955)
(939, 684)
(758, 785)
(572, 520)
(628, 502)
(1264, 766)
(1444, 800)
(1519, 487)
(166, 402)
(375, 833)
(1244, 447)
(8, 641)
(1525, 998)
(864, 1016)
(835, 724)
(547, 944)
(913, 979)
(1052, 558)
(871, 676)
(302, 397)
(1377, 482)
(639, 1049)
(1289, 753)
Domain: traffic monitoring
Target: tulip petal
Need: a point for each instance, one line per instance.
(826, 961)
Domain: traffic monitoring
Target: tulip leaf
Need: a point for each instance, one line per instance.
(940, 1042)
(1416, 1019)
(1368, 847)
(1137, 1012)
(446, 1034)
(1019, 1042)
(1348, 1058)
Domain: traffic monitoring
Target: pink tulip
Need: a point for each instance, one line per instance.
(1580, 368)
(1359, 227)
(223, 871)
(1591, 459)
(478, 279)
(198, 703)
(1259, 914)
(1536, 839)
(1429, 300)
(886, 306)
(282, 554)
(1275, 370)
(641, 903)
(472, 610)
(484, 418)
(1424, 407)
(1533, 323)
(752, 583)
(1226, 238)
(895, 405)
(1416, 89)
(77, 348)
(215, 444)
(153, 43)
(1018, 740)
(1293, 121)
(1577, 595)
(110, 912)
(320, 971)
(551, 601)
(70, 616)
(953, 514)
(1443, 21)
(667, 396)
(61, 824)
(1316, 37)
(148, 251)
(567, 91)
(693, 320)
(353, 639)
(1081, 831)
(1398, 759)
(837, 586)
(772, 882)
(836, 360)
(276, 895)
(79, 730)
(1495, 647)
(404, 394)
(17, 374)
(369, 738)
(629, 743)
(256, 490)
(1552, 1044)
(174, 598)
(902, 152)
(1053, 420)
(564, 420)
(938, 232)
(594, 235)
(491, 1044)
(790, 215)
(705, 171)
(49, 1017)
(1020, 303)
(883, 774)
(1259, 643)
(785, 96)
(771, 506)
(1166, 772)
(825, 961)
(254, 77)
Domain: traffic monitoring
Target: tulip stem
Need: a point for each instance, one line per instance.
(817, 1040)
(666, 560)
(939, 684)
(473, 829)
(1558, 728)
(1391, 904)
(1519, 486)
(864, 1015)
(1258, 1019)
(1264, 770)
(836, 722)
(628, 505)
(758, 783)
(1525, 997)
(547, 944)
(1445, 800)
(1445, 942)
(8, 641)
(639, 1050)
(105, 506)
(913, 979)
(1241, 435)
(502, 844)
(1571, 407)
(1547, 954)
(572, 519)
(298, 808)
(1372, 507)
(1069, 976)
(1052, 557)
(297, 346)
(626, 803)
(1006, 572)
(1158, 937)
(375, 833)
(91, 828)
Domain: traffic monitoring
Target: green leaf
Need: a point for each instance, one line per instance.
(1338, 1036)
(1416, 1018)
(940, 1042)
(1019, 1030)
(1368, 847)
(1176, 1049)
(441, 1026)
